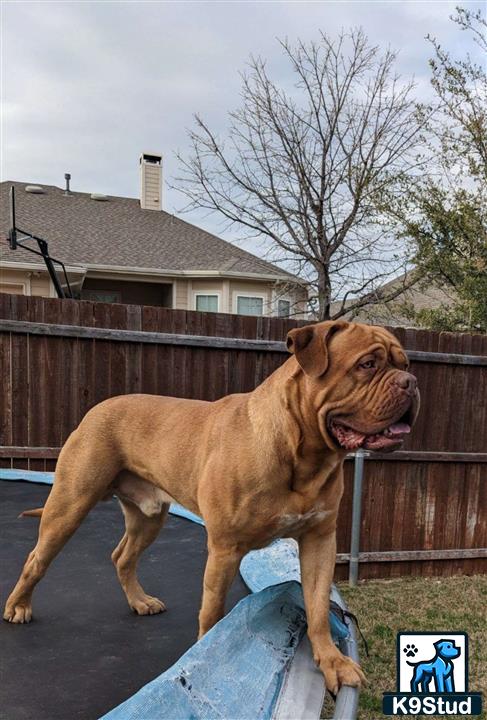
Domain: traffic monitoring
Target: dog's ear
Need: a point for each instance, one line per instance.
(439, 643)
(309, 344)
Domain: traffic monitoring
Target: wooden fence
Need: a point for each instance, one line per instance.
(424, 508)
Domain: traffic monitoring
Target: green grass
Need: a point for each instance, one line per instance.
(384, 607)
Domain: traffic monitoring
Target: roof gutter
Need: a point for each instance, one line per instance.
(193, 273)
(39, 267)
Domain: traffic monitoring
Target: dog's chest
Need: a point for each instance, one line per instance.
(292, 523)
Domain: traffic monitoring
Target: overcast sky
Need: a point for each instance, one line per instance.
(87, 86)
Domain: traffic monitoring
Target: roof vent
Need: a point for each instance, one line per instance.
(99, 197)
(67, 178)
(35, 189)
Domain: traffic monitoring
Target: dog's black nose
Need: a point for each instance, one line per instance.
(406, 381)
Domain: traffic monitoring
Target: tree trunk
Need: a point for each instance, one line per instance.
(324, 293)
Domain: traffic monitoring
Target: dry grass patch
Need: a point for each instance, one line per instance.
(385, 607)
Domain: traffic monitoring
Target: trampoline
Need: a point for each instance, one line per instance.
(86, 652)
(87, 655)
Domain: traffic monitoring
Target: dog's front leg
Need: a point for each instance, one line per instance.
(317, 552)
(440, 682)
(221, 568)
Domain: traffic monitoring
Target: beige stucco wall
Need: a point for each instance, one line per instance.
(180, 294)
(40, 285)
(25, 282)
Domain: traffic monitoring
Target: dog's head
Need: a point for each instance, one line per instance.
(358, 383)
(447, 649)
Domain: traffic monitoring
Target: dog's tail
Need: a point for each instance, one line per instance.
(36, 512)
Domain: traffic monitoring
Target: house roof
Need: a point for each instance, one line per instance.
(118, 234)
(424, 294)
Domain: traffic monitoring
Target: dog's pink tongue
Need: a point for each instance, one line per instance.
(399, 429)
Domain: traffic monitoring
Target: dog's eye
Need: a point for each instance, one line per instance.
(367, 364)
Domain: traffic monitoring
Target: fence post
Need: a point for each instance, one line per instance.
(358, 474)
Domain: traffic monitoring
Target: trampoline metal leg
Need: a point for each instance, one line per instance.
(356, 518)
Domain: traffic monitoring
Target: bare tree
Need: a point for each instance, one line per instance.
(304, 167)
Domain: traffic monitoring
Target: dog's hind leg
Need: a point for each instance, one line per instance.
(140, 532)
(70, 500)
(416, 681)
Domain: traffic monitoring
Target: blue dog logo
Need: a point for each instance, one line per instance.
(438, 686)
(440, 669)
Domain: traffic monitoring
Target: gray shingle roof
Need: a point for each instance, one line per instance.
(81, 231)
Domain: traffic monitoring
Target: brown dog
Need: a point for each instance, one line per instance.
(255, 466)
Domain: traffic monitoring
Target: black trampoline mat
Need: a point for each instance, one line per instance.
(85, 651)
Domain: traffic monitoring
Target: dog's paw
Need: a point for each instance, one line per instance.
(18, 613)
(147, 605)
(339, 670)
(410, 650)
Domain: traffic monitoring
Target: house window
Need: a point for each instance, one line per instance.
(106, 296)
(250, 305)
(207, 303)
(13, 288)
(283, 308)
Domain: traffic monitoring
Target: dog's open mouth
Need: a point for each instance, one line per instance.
(386, 440)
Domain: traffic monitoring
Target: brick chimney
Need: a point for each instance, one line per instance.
(151, 181)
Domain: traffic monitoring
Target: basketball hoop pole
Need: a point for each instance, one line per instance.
(43, 251)
(12, 233)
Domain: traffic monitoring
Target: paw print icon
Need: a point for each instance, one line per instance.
(410, 650)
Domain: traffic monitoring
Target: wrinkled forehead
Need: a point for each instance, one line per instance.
(357, 340)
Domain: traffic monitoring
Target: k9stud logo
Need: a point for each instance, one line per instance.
(432, 676)
(432, 663)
